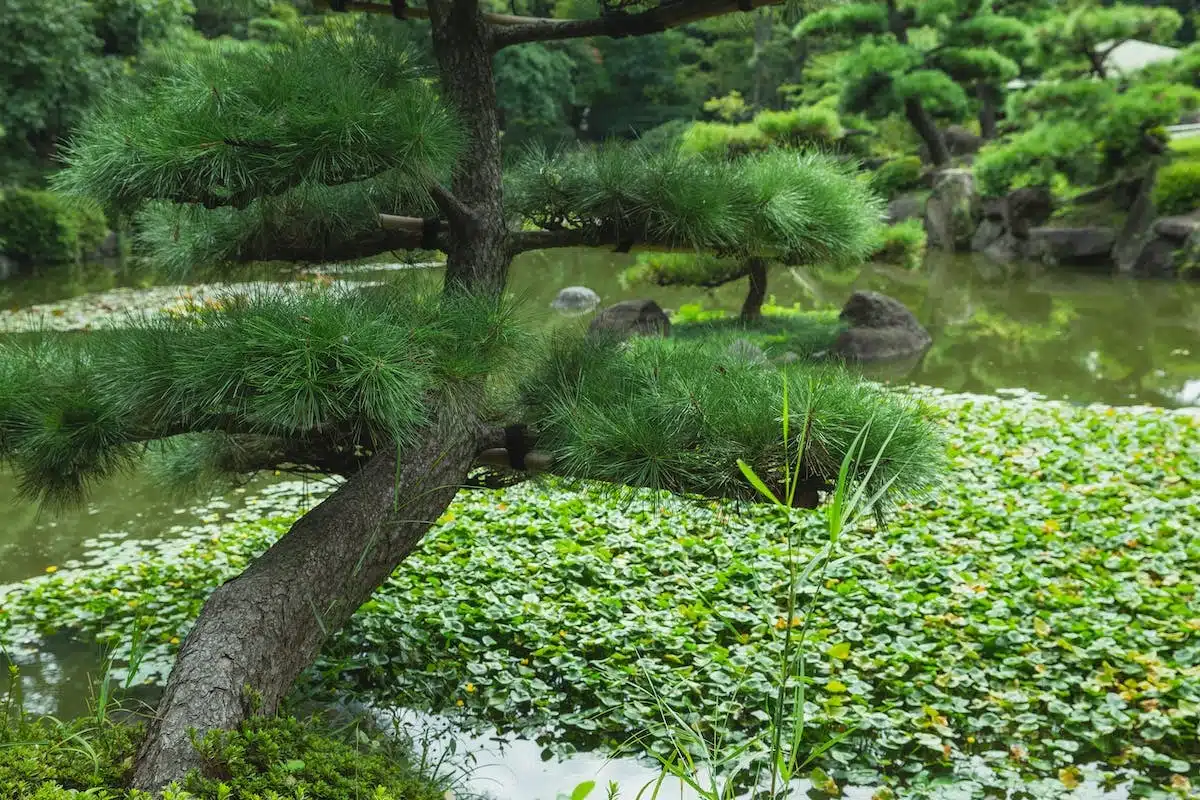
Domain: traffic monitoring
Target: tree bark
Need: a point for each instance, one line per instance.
(478, 255)
(259, 631)
(928, 130)
(757, 275)
(988, 110)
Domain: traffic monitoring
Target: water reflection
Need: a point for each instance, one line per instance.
(1067, 336)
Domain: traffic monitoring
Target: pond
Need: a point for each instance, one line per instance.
(1070, 336)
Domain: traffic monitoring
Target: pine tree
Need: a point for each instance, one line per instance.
(1080, 41)
(336, 146)
(886, 72)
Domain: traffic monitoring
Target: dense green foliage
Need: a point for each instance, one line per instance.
(896, 175)
(684, 269)
(1080, 39)
(902, 244)
(41, 227)
(267, 759)
(363, 365)
(805, 206)
(1034, 616)
(1177, 187)
(1084, 130)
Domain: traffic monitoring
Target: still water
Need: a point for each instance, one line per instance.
(1079, 337)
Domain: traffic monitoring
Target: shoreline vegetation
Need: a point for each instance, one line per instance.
(1031, 622)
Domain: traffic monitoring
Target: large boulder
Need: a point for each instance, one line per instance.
(906, 206)
(1073, 246)
(953, 210)
(881, 328)
(989, 232)
(1027, 208)
(631, 318)
(961, 142)
(575, 300)
(1172, 247)
(108, 249)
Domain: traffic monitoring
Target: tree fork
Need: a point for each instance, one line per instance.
(261, 629)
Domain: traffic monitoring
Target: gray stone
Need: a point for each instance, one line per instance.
(632, 318)
(7, 267)
(746, 350)
(1178, 229)
(575, 300)
(953, 210)
(1006, 249)
(962, 142)
(1156, 259)
(1027, 208)
(1073, 246)
(880, 328)
(988, 232)
(905, 206)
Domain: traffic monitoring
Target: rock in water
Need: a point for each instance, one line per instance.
(953, 210)
(1073, 246)
(880, 328)
(632, 318)
(575, 300)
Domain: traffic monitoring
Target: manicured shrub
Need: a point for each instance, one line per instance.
(718, 139)
(41, 227)
(811, 125)
(1177, 190)
(902, 244)
(1037, 156)
(896, 175)
(683, 269)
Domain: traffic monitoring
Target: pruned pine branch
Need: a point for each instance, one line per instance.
(227, 129)
(320, 374)
(512, 30)
(808, 208)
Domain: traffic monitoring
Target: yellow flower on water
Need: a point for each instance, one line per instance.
(174, 640)
(50, 570)
(459, 702)
(470, 687)
(115, 592)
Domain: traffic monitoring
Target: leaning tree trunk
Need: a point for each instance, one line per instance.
(757, 273)
(928, 130)
(988, 110)
(260, 630)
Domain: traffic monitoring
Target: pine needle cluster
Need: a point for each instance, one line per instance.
(678, 415)
(806, 205)
(316, 368)
(222, 128)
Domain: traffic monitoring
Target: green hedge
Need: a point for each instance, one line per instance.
(1177, 190)
(41, 227)
(896, 175)
(902, 244)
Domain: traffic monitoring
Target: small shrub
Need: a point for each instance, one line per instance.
(896, 175)
(1177, 190)
(683, 269)
(1037, 156)
(42, 227)
(902, 244)
(717, 139)
(811, 125)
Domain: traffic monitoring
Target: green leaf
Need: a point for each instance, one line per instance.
(840, 651)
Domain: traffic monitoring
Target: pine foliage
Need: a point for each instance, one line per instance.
(222, 128)
(678, 416)
(809, 206)
(346, 368)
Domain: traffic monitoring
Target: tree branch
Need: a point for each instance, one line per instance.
(670, 14)
(416, 12)
(523, 241)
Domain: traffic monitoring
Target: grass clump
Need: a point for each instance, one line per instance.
(902, 244)
(265, 759)
(780, 330)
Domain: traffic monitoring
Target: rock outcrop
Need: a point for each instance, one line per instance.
(1172, 249)
(631, 318)
(881, 328)
(953, 211)
(1081, 247)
